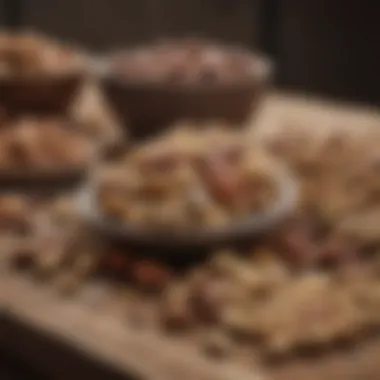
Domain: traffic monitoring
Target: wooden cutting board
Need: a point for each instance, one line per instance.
(34, 315)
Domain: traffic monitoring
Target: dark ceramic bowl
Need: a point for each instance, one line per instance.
(145, 107)
(34, 177)
(249, 228)
(40, 93)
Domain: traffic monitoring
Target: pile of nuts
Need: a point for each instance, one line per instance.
(42, 142)
(30, 54)
(23, 214)
(187, 62)
(298, 290)
(189, 179)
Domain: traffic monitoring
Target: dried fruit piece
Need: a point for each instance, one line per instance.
(221, 179)
(116, 262)
(298, 249)
(150, 276)
(339, 251)
(24, 257)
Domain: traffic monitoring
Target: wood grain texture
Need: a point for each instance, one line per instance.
(104, 336)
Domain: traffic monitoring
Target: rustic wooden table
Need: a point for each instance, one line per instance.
(65, 338)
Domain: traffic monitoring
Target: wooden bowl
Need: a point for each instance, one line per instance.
(39, 93)
(146, 107)
(248, 228)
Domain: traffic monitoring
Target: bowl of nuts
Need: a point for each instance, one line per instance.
(189, 188)
(37, 74)
(42, 150)
(154, 86)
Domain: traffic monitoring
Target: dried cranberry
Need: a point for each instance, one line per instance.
(23, 258)
(302, 252)
(338, 251)
(151, 276)
(116, 262)
(297, 246)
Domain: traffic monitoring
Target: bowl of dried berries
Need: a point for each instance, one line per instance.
(154, 86)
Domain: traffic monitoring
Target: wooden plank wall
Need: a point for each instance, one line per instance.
(331, 47)
(105, 24)
(2, 13)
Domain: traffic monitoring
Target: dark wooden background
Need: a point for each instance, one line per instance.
(319, 46)
(2, 13)
(103, 24)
